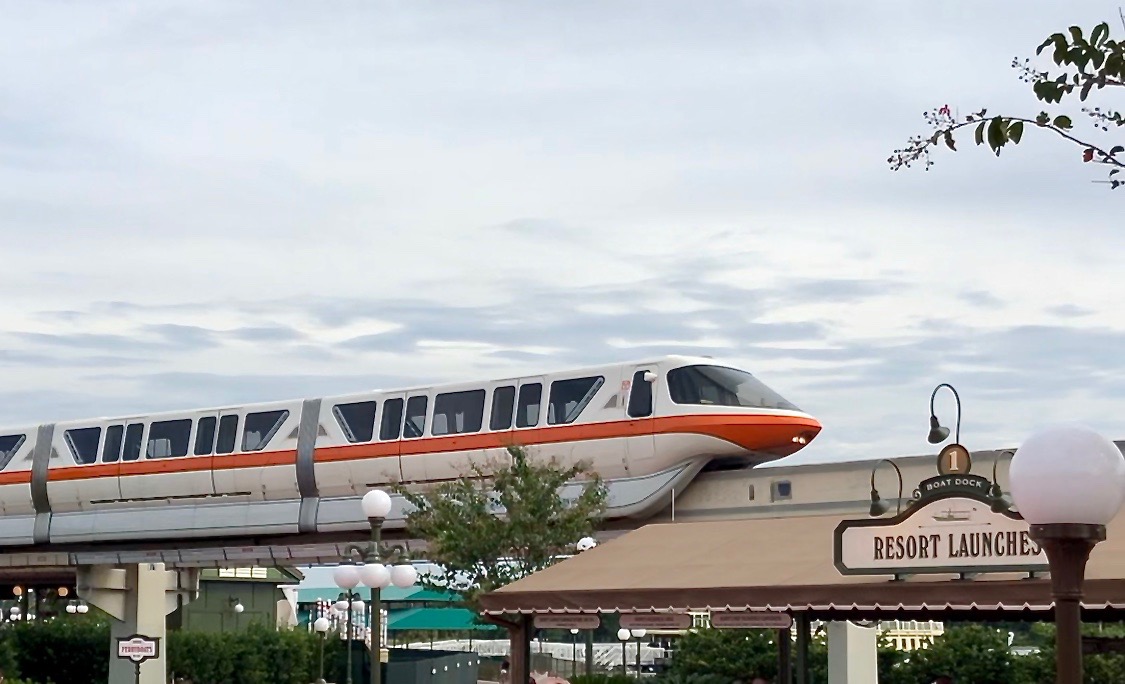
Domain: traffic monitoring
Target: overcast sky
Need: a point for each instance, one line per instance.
(214, 201)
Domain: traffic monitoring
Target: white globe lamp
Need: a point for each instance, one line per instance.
(404, 576)
(346, 576)
(71, 608)
(376, 504)
(320, 625)
(1068, 483)
(375, 575)
(624, 634)
(83, 609)
(638, 633)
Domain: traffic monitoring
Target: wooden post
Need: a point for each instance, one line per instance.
(803, 647)
(784, 648)
(519, 637)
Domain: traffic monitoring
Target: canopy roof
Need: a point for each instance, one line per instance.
(389, 595)
(782, 564)
(435, 620)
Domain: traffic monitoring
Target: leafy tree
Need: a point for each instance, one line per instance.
(502, 521)
(731, 653)
(969, 653)
(1087, 64)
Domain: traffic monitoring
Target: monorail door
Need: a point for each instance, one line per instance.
(639, 409)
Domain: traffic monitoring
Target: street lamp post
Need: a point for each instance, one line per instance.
(639, 634)
(347, 578)
(623, 635)
(321, 627)
(1067, 482)
(587, 544)
(376, 574)
(573, 652)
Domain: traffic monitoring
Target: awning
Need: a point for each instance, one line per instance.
(782, 564)
(388, 595)
(434, 620)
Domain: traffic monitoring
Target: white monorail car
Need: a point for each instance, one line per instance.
(298, 466)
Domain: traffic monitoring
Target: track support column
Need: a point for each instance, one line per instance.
(139, 598)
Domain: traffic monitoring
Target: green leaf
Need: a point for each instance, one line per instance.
(1043, 119)
(1076, 34)
(949, 141)
(1063, 121)
(1099, 34)
(980, 132)
(1015, 132)
(997, 133)
(1116, 149)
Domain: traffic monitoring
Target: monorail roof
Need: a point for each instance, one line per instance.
(780, 564)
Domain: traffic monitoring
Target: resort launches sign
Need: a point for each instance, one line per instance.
(950, 527)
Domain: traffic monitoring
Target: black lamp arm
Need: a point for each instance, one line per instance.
(957, 433)
(898, 502)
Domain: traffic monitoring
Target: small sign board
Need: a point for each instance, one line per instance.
(138, 648)
(568, 621)
(757, 619)
(656, 621)
(954, 532)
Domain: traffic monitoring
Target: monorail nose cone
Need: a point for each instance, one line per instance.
(938, 433)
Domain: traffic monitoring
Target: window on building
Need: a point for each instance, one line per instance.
(9, 444)
(415, 425)
(259, 429)
(781, 490)
(569, 397)
(132, 448)
(83, 443)
(111, 450)
(458, 413)
(527, 411)
(640, 396)
(228, 434)
(357, 420)
(205, 435)
(503, 408)
(392, 419)
(169, 439)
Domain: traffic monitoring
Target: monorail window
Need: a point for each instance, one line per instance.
(111, 450)
(392, 419)
(415, 417)
(83, 443)
(527, 410)
(205, 436)
(781, 490)
(457, 413)
(9, 445)
(228, 434)
(569, 397)
(168, 439)
(503, 408)
(718, 386)
(133, 435)
(640, 396)
(357, 420)
(260, 428)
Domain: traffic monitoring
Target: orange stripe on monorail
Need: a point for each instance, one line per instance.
(16, 477)
(748, 431)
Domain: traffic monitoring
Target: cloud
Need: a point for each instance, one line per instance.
(251, 204)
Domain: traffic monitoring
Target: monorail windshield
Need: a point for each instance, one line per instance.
(718, 386)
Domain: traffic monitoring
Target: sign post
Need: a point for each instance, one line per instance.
(138, 648)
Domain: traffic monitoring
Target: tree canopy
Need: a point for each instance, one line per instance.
(503, 520)
(1084, 66)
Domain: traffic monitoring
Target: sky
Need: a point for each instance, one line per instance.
(213, 202)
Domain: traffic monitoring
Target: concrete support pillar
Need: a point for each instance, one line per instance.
(852, 654)
(139, 598)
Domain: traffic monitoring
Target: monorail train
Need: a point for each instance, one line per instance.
(298, 467)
